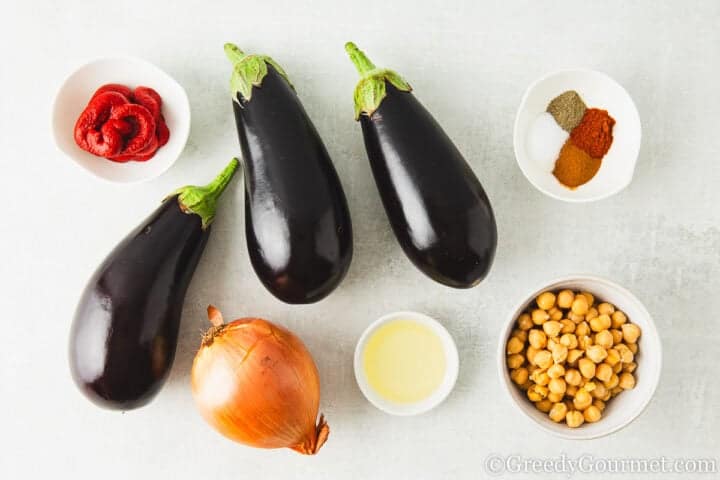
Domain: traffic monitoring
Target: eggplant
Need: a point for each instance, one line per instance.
(124, 334)
(436, 206)
(297, 223)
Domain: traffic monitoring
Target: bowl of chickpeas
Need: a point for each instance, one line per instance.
(581, 357)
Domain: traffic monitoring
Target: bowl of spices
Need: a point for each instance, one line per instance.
(406, 363)
(577, 135)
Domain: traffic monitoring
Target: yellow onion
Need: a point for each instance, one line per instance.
(256, 383)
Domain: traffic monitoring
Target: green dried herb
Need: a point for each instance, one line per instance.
(567, 109)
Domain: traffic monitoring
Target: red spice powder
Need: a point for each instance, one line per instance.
(594, 133)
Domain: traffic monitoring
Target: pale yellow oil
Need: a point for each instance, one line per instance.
(404, 361)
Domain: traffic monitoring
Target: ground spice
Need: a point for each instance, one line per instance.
(594, 133)
(567, 109)
(575, 166)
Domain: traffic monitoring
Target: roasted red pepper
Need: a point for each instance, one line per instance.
(90, 135)
(121, 124)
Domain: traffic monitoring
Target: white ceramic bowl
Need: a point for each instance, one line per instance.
(75, 92)
(624, 408)
(598, 91)
(451, 372)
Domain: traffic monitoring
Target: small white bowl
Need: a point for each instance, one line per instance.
(624, 408)
(598, 91)
(75, 93)
(451, 371)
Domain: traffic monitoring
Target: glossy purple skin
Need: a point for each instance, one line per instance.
(297, 223)
(437, 208)
(125, 329)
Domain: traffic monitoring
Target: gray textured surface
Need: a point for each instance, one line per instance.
(469, 63)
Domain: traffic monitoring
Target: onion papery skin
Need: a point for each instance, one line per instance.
(257, 384)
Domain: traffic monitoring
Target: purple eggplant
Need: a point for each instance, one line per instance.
(125, 329)
(437, 208)
(297, 223)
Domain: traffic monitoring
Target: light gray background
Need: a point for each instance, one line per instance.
(469, 63)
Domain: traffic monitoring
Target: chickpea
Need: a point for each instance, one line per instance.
(617, 335)
(532, 395)
(569, 340)
(514, 345)
(545, 300)
(559, 353)
(575, 318)
(596, 353)
(543, 359)
(618, 319)
(520, 335)
(589, 386)
(629, 367)
(580, 305)
(530, 354)
(531, 368)
(600, 323)
(582, 399)
(589, 297)
(631, 332)
(558, 385)
(519, 375)
(633, 348)
(555, 314)
(574, 355)
(555, 397)
(587, 367)
(592, 313)
(542, 390)
(524, 322)
(626, 355)
(626, 381)
(525, 386)
(539, 316)
(603, 372)
(600, 391)
(573, 377)
(599, 404)
(604, 339)
(606, 308)
(544, 405)
(574, 419)
(614, 392)
(617, 368)
(540, 377)
(568, 326)
(565, 298)
(582, 329)
(592, 414)
(613, 357)
(537, 338)
(584, 342)
(613, 382)
(552, 328)
(557, 412)
(571, 390)
(515, 361)
(556, 371)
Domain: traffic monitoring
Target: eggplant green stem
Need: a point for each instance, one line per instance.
(359, 59)
(248, 72)
(202, 201)
(371, 89)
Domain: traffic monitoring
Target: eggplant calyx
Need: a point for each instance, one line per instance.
(249, 71)
(202, 201)
(372, 89)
